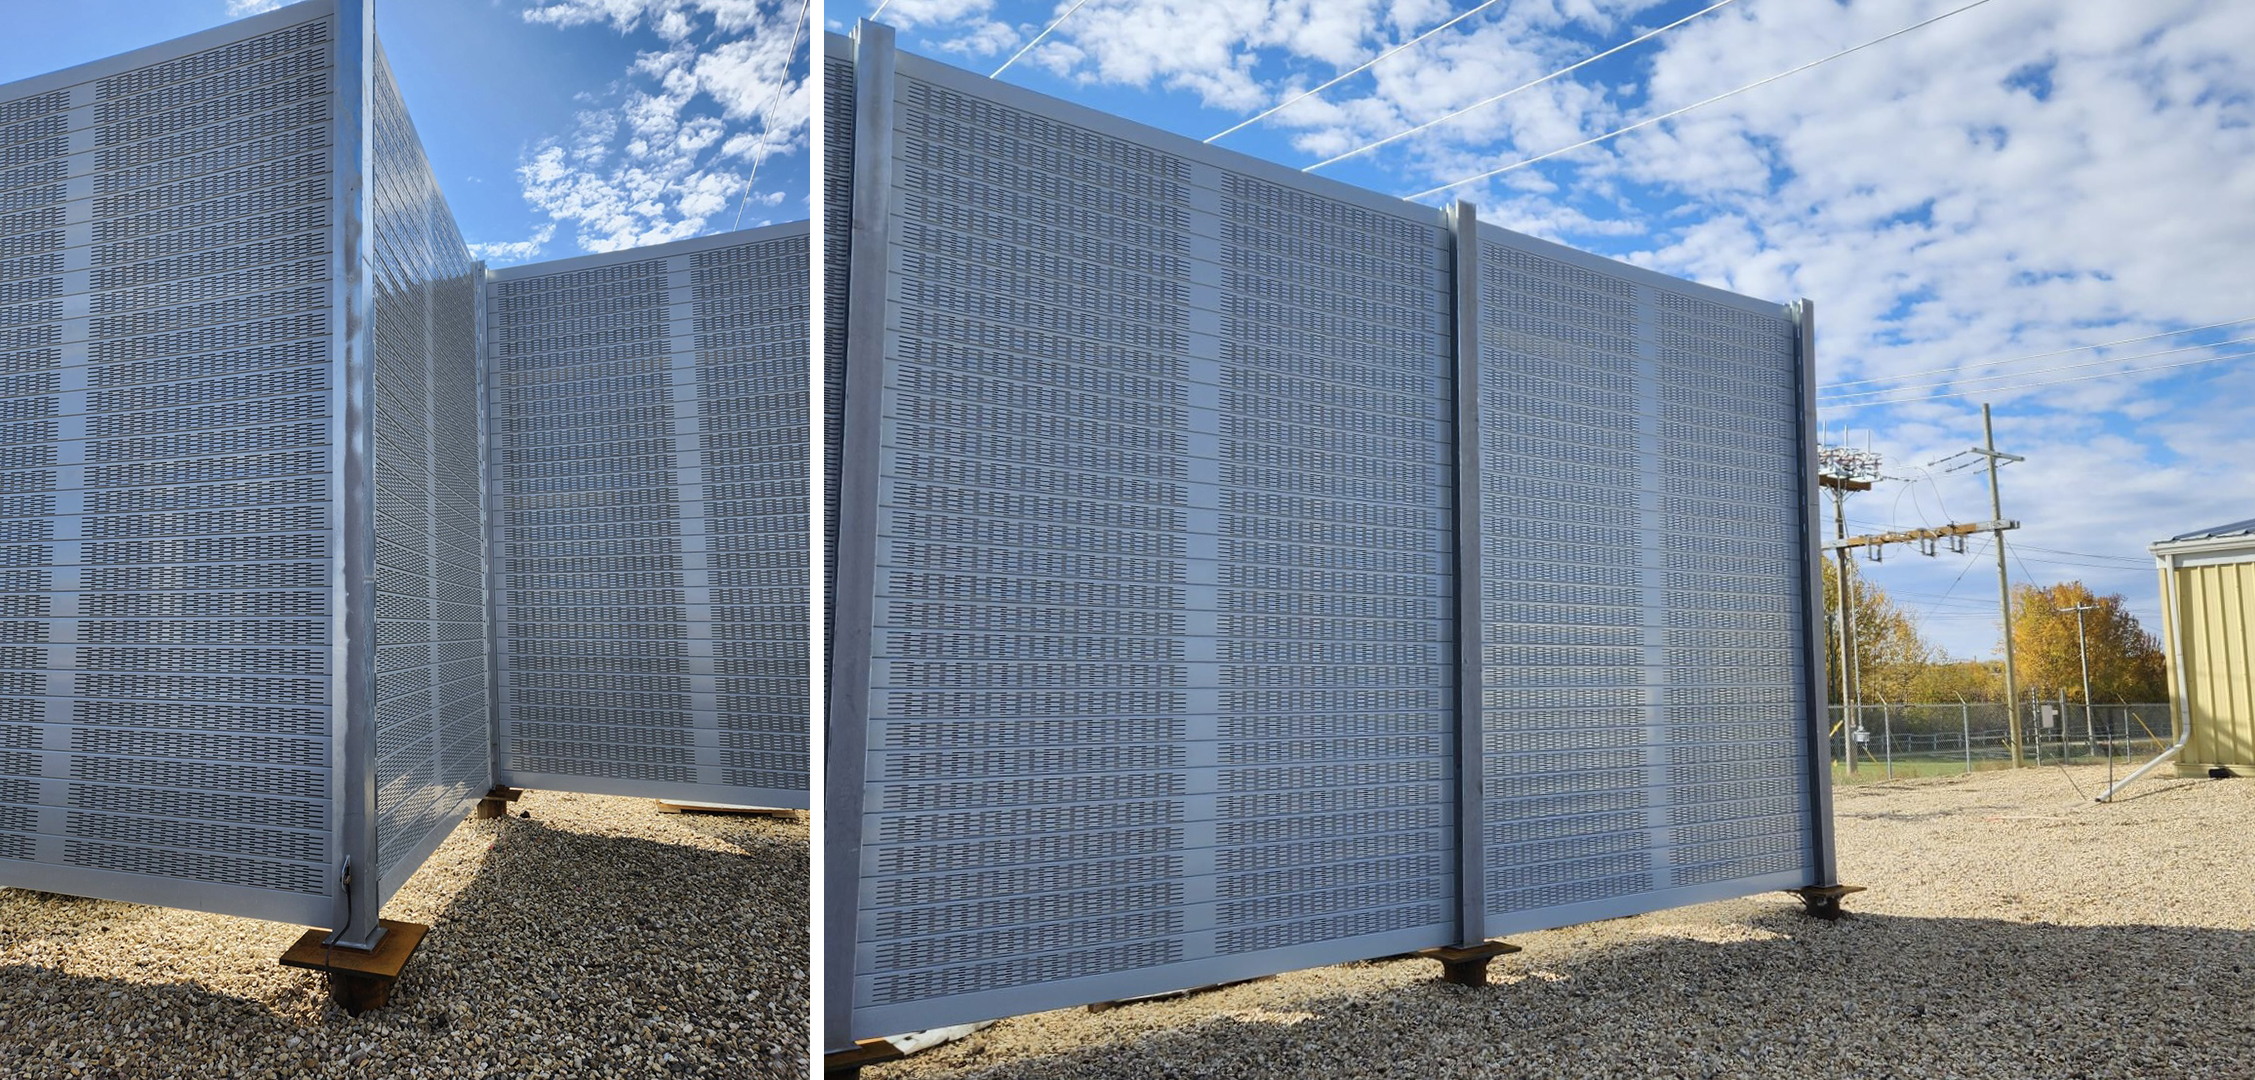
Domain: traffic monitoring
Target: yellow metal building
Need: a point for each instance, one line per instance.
(2208, 613)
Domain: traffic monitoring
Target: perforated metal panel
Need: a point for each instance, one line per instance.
(649, 471)
(1644, 634)
(433, 742)
(1160, 682)
(167, 485)
(1154, 662)
(837, 228)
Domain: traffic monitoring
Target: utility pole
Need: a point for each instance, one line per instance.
(1844, 470)
(2004, 581)
(1988, 450)
(2090, 739)
(1848, 719)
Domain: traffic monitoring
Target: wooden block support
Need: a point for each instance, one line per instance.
(676, 806)
(846, 1064)
(1823, 901)
(496, 803)
(1467, 965)
(359, 980)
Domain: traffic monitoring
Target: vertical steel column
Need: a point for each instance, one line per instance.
(854, 581)
(489, 506)
(1471, 712)
(354, 558)
(1819, 755)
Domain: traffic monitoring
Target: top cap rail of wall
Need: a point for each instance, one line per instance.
(175, 49)
(708, 242)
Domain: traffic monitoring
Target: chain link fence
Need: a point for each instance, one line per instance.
(1895, 739)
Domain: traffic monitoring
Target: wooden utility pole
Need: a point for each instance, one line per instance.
(2004, 583)
(1841, 486)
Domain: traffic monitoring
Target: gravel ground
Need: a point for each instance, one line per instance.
(2013, 929)
(595, 938)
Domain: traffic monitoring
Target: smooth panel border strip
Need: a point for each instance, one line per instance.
(354, 559)
(854, 581)
(1823, 856)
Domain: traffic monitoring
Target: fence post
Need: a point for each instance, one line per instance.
(1965, 729)
(2035, 725)
(1887, 735)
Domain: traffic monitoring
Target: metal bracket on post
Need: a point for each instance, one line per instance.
(361, 969)
(1467, 965)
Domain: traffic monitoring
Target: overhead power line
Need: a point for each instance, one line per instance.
(1648, 122)
(782, 79)
(2039, 382)
(1639, 39)
(1351, 72)
(1028, 46)
(2041, 355)
(2140, 561)
(2038, 371)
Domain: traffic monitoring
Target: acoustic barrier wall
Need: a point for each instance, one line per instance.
(650, 519)
(1238, 571)
(245, 648)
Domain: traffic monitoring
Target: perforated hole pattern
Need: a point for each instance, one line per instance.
(649, 478)
(195, 741)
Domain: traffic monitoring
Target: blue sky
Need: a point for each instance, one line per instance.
(556, 127)
(2020, 178)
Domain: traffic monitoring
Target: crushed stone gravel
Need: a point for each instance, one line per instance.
(595, 938)
(2012, 929)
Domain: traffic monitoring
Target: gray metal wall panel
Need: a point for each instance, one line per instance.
(1160, 687)
(166, 508)
(1162, 677)
(432, 742)
(649, 513)
(837, 228)
(1643, 603)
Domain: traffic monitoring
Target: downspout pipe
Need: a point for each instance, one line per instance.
(2183, 704)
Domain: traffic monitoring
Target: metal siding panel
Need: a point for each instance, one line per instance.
(649, 468)
(2233, 699)
(837, 244)
(1160, 684)
(845, 738)
(432, 748)
(166, 726)
(1645, 622)
(1161, 679)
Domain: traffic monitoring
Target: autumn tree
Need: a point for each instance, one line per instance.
(2126, 661)
(1889, 653)
(1947, 681)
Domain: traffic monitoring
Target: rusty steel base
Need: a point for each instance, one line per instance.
(359, 979)
(1467, 965)
(1823, 901)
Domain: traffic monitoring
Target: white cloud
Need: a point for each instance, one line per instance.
(237, 9)
(2016, 179)
(516, 251)
(668, 155)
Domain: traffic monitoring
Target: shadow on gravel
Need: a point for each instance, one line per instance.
(566, 954)
(1870, 996)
